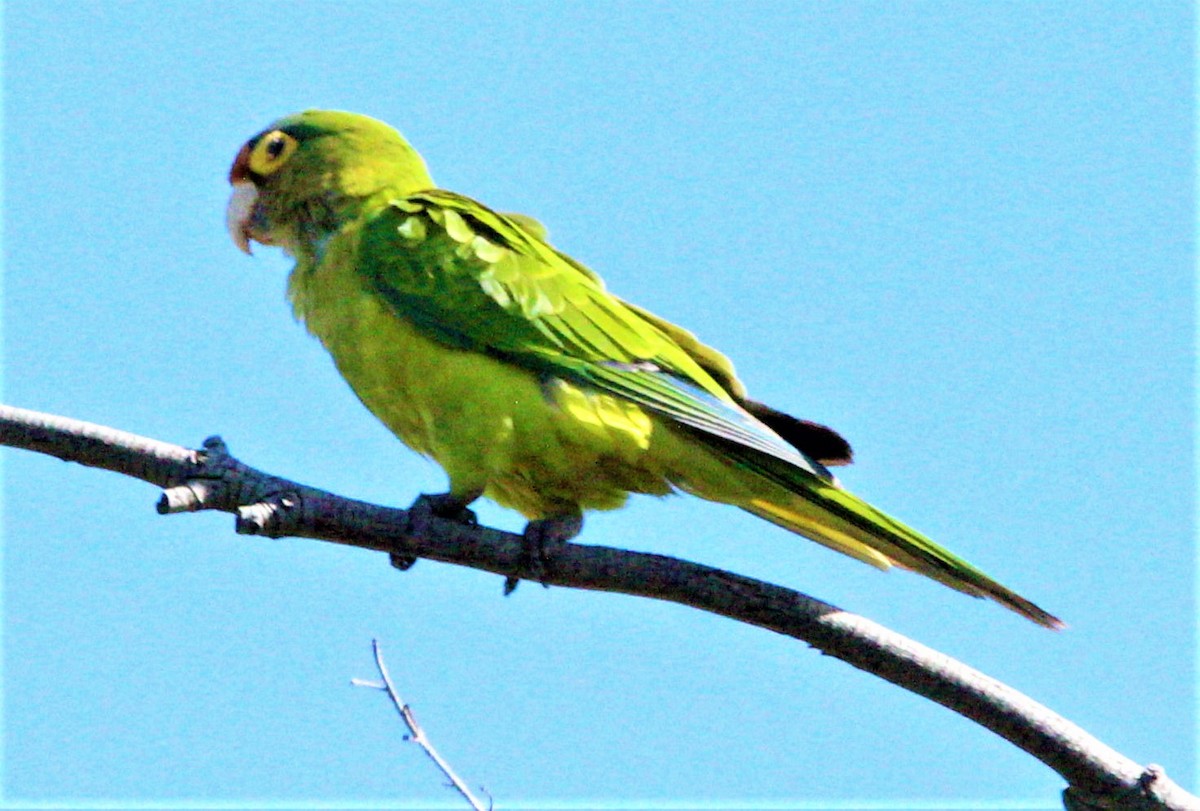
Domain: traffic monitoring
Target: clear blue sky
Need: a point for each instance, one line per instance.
(961, 233)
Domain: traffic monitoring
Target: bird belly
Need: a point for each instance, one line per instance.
(542, 446)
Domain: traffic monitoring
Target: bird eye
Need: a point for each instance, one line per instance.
(271, 152)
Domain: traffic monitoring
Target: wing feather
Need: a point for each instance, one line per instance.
(476, 279)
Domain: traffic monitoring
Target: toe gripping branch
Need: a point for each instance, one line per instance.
(429, 507)
(541, 541)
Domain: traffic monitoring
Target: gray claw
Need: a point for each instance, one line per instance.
(543, 538)
(447, 506)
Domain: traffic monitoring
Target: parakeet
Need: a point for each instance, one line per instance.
(482, 346)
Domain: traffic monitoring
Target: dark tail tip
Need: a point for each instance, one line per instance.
(1030, 611)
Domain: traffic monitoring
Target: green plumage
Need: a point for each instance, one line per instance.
(480, 345)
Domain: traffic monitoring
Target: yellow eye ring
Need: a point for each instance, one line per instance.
(272, 151)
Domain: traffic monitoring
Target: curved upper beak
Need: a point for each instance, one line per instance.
(241, 201)
(239, 211)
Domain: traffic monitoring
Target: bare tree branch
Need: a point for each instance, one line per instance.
(211, 479)
(417, 734)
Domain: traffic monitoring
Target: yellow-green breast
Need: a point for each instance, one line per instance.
(541, 446)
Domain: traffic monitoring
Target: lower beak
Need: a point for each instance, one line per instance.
(239, 211)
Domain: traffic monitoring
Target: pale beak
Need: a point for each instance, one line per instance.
(239, 212)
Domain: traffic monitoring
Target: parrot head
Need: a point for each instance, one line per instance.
(304, 175)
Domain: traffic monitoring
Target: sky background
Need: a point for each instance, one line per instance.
(960, 233)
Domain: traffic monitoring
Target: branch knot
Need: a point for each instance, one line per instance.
(274, 515)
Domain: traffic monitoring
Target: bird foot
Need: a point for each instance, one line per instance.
(446, 506)
(542, 540)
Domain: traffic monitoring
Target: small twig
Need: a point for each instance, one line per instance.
(417, 734)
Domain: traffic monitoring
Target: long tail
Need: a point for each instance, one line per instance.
(823, 512)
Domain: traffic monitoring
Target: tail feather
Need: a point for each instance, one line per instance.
(838, 519)
(846, 540)
(814, 505)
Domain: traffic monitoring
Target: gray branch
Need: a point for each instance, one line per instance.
(1098, 776)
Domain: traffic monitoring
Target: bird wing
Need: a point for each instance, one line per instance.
(478, 280)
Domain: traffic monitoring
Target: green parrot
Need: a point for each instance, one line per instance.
(482, 346)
